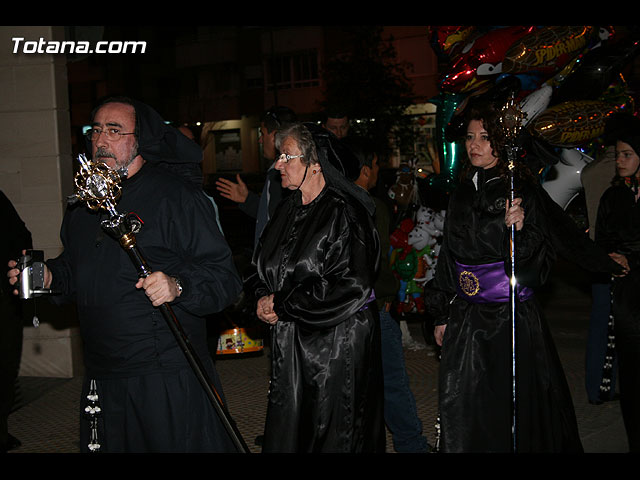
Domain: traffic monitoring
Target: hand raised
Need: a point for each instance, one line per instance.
(236, 192)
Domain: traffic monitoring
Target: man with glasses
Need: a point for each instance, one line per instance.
(150, 399)
(261, 207)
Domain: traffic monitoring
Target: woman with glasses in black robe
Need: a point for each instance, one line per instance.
(317, 261)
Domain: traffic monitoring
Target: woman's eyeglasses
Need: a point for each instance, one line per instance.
(285, 158)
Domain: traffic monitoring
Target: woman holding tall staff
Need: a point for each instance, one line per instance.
(470, 299)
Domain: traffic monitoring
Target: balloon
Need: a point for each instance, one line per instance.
(548, 49)
(596, 71)
(481, 59)
(449, 152)
(564, 182)
(606, 35)
(617, 94)
(535, 103)
(570, 124)
(446, 39)
(529, 82)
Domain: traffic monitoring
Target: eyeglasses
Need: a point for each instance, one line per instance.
(285, 158)
(112, 134)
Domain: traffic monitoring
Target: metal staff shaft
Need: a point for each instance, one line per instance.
(511, 119)
(128, 243)
(512, 299)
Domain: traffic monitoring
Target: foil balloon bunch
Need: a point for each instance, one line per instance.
(567, 79)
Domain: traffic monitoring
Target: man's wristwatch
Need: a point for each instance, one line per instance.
(178, 284)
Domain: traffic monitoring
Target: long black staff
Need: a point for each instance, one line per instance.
(99, 187)
(511, 120)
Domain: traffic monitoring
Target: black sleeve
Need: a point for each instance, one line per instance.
(16, 237)
(209, 276)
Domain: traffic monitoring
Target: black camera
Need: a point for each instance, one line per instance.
(31, 281)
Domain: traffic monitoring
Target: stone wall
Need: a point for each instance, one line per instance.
(36, 174)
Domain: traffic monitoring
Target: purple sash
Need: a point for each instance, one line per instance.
(372, 297)
(487, 283)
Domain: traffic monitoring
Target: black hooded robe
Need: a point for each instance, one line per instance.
(475, 382)
(320, 261)
(150, 398)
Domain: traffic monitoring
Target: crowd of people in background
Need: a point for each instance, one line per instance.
(323, 286)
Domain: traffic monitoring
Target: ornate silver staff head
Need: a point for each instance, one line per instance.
(97, 185)
(511, 119)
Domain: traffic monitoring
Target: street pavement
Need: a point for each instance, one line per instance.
(46, 415)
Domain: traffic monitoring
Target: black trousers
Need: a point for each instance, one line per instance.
(10, 354)
(626, 313)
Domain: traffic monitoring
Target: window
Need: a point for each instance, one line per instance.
(294, 70)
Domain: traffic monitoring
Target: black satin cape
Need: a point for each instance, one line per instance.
(320, 260)
(475, 382)
(618, 230)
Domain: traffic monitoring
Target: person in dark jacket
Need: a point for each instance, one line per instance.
(400, 411)
(15, 239)
(261, 206)
(618, 232)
